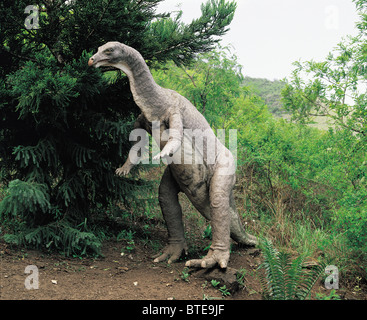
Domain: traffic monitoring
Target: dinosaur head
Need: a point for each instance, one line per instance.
(109, 54)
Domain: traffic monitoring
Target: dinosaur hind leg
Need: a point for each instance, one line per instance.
(172, 213)
(219, 199)
(225, 221)
(237, 230)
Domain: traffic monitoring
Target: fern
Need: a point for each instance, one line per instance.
(286, 279)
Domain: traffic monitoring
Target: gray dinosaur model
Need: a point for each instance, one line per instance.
(208, 182)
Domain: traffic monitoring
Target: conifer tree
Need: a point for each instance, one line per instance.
(64, 127)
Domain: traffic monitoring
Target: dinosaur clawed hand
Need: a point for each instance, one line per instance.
(163, 154)
(169, 149)
(213, 258)
(123, 171)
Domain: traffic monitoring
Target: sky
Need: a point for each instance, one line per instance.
(269, 35)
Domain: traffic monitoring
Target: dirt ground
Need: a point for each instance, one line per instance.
(123, 277)
(129, 277)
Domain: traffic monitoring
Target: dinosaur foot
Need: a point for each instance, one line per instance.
(211, 259)
(173, 252)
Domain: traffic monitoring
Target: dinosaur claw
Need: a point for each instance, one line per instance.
(173, 252)
(214, 257)
(223, 264)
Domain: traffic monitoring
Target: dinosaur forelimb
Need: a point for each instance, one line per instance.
(125, 169)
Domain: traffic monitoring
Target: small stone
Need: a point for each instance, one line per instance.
(254, 252)
(227, 277)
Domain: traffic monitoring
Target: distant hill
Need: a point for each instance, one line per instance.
(269, 91)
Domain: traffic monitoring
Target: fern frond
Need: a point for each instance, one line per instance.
(286, 279)
(294, 276)
(309, 279)
(274, 274)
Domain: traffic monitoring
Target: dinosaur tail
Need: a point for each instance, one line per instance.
(238, 232)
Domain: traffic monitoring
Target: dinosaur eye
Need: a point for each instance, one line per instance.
(108, 50)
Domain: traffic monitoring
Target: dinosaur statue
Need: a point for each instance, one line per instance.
(208, 184)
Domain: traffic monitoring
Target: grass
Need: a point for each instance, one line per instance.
(302, 236)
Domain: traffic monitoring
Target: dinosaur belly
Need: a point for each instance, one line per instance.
(194, 181)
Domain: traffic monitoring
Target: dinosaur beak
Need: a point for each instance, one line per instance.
(95, 61)
(90, 61)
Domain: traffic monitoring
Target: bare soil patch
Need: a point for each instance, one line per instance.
(115, 277)
(131, 276)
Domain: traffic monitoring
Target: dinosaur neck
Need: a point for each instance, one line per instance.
(147, 94)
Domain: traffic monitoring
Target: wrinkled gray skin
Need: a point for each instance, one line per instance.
(209, 185)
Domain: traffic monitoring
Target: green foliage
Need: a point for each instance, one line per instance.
(208, 233)
(287, 162)
(57, 236)
(332, 296)
(185, 274)
(335, 89)
(182, 41)
(24, 199)
(29, 204)
(269, 91)
(304, 183)
(128, 237)
(224, 291)
(214, 283)
(351, 217)
(286, 279)
(241, 276)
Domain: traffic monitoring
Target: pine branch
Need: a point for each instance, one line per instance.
(95, 25)
(22, 57)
